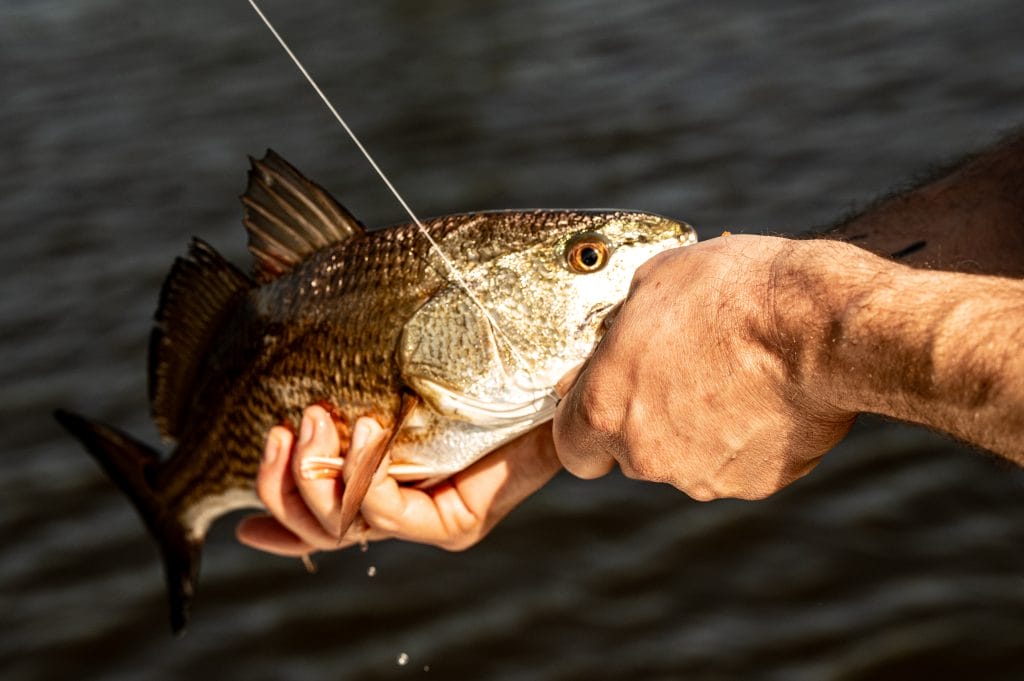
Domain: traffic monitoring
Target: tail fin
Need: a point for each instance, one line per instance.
(133, 466)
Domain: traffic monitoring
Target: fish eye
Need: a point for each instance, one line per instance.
(586, 253)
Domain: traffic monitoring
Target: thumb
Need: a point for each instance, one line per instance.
(576, 443)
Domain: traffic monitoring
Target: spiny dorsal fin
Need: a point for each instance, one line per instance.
(288, 217)
(196, 295)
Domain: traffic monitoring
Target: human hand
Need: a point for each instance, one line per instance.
(695, 383)
(454, 514)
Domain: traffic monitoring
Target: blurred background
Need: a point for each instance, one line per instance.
(126, 127)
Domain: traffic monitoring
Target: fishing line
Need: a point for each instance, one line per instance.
(449, 265)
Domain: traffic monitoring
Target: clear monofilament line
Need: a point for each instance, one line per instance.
(449, 265)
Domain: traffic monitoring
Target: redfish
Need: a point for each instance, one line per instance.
(368, 323)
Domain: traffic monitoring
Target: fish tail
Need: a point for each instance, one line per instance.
(133, 466)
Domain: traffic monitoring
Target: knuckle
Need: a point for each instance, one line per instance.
(757, 494)
(746, 489)
(467, 532)
(589, 468)
(643, 460)
(639, 467)
(599, 411)
(387, 525)
(458, 544)
(700, 492)
(461, 527)
(463, 539)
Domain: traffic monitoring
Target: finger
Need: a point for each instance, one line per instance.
(319, 488)
(496, 486)
(276, 488)
(457, 513)
(266, 534)
(365, 433)
(581, 449)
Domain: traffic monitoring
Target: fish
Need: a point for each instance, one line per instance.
(366, 323)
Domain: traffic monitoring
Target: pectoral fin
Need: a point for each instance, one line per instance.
(449, 342)
(365, 467)
(450, 356)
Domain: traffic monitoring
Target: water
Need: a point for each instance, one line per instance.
(126, 127)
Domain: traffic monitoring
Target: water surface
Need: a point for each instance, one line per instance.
(126, 128)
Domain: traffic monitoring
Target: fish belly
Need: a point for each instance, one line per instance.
(441, 446)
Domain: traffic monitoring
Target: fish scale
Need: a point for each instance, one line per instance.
(368, 324)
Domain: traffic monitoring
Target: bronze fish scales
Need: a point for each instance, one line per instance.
(370, 323)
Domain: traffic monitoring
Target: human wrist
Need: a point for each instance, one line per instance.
(818, 288)
(874, 344)
(934, 348)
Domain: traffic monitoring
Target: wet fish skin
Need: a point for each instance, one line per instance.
(355, 320)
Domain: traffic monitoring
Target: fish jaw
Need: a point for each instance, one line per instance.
(458, 406)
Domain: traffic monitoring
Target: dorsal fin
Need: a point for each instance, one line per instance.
(199, 290)
(288, 217)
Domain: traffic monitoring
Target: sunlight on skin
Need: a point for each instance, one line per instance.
(455, 514)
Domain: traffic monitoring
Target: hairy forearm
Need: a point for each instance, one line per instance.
(945, 350)
(734, 364)
(968, 217)
(919, 343)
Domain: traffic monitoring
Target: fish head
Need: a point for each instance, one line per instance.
(537, 288)
(552, 299)
(533, 293)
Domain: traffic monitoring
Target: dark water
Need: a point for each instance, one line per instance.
(125, 129)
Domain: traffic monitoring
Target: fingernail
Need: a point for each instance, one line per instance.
(360, 434)
(272, 449)
(306, 431)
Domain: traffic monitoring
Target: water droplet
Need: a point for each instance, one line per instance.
(371, 571)
(403, 659)
(426, 667)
